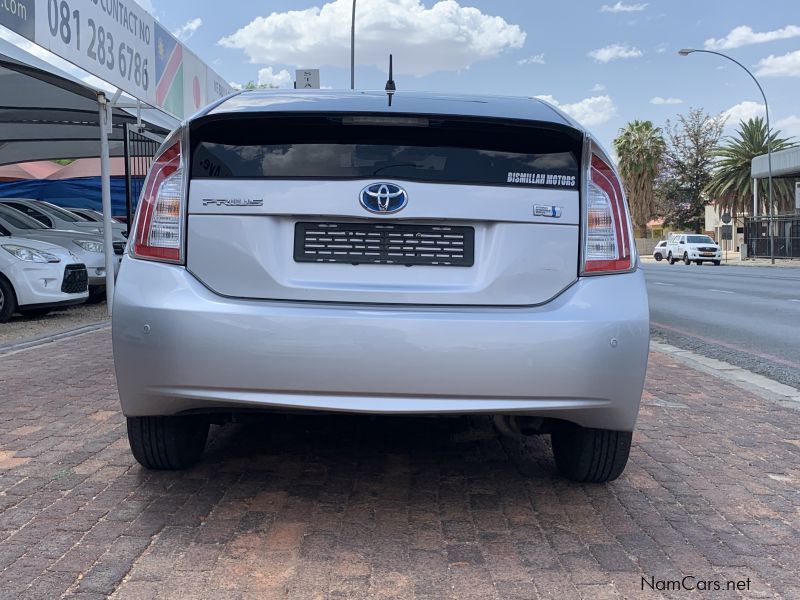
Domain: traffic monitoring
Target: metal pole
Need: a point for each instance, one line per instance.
(353, 49)
(769, 163)
(128, 187)
(686, 52)
(104, 114)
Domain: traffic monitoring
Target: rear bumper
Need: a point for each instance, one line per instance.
(180, 347)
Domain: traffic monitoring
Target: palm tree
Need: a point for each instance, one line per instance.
(640, 148)
(732, 185)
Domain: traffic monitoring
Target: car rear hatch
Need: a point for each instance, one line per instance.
(406, 209)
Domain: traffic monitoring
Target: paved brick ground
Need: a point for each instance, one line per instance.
(410, 508)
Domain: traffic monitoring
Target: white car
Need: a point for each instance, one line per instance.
(87, 247)
(55, 217)
(37, 276)
(660, 251)
(693, 248)
(91, 214)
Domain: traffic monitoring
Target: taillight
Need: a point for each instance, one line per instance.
(608, 240)
(158, 229)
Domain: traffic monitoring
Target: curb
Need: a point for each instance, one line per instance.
(741, 378)
(783, 263)
(52, 337)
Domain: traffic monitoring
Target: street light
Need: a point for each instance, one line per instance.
(687, 52)
(353, 49)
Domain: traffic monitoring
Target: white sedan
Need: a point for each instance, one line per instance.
(36, 277)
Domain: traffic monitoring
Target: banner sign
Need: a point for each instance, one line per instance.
(304, 79)
(19, 16)
(121, 43)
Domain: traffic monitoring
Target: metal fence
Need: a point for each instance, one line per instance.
(140, 148)
(785, 232)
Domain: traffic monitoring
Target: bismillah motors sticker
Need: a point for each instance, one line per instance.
(542, 179)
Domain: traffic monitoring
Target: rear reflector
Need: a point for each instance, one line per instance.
(158, 232)
(607, 247)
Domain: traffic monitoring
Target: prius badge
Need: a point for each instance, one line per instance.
(233, 202)
(383, 198)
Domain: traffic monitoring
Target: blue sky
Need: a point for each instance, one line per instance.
(604, 61)
(555, 40)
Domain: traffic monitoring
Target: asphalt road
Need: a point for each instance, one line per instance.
(747, 316)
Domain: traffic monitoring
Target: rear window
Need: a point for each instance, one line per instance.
(64, 215)
(33, 213)
(17, 219)
(410, 148)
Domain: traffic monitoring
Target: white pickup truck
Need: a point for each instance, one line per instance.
(692, 248)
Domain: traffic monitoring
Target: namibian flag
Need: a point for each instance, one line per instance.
(169, 72)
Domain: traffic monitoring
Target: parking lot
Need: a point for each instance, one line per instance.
(350, 507)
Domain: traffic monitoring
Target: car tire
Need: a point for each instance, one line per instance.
(686, 260)
(671, 259)
(8, 300)
(590, 455)
(35, 313)
(658, 257)
(717, 262)
(167, 443)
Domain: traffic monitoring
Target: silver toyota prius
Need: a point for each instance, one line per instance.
(333, 251)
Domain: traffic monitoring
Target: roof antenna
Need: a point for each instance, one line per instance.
(391, 88)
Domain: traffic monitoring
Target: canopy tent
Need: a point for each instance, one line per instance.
(89, 167)
(76, 185)
(29, 170)
(80, 192)
(46, 113)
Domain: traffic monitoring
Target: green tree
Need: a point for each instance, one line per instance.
(731, 186)
(640, 148)
(689, 158)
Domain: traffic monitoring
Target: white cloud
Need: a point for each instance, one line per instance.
(589, 111)
(536, 59)
(614, 52)
(660, 100)
(744, 111)
(598, 87)
(281, 79)
(185, 31)
(444, 37)
(790, 126)
(787, 65)
(620, 7)
(745, 36)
